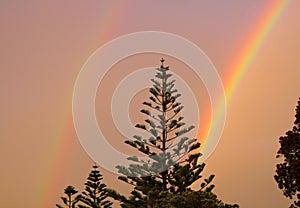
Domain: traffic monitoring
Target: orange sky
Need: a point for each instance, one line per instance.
(45, 44)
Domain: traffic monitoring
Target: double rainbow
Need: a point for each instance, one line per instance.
(235, 74)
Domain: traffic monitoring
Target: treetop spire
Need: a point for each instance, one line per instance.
(162, 60)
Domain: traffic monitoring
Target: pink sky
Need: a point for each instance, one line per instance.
(44, 44)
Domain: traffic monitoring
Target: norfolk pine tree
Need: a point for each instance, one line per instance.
(70, 201)
(165, 174)
(94, 196)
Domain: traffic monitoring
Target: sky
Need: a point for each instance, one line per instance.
(44, 45)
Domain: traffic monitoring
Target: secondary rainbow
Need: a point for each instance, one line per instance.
(59, 152)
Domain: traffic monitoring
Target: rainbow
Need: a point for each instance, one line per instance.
(57, 150)
(252, 45)
(238, 68)
(56, 160)
(58, 153)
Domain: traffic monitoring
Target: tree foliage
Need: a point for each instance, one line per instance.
(173, 164)
(71, 198)
(288, 172)
(190, 199)
(94, 196)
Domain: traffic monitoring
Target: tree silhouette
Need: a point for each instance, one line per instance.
(69, 201)
(94, 196)
(165, 171)
(288, 172)
(190, 199)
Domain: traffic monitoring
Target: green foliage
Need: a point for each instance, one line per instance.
(288, 172)
(190, 199)
(173, 166)
(94, 196)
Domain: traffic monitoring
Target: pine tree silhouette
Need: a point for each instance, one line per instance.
(173, 165)
(95, 194)
(69, 201)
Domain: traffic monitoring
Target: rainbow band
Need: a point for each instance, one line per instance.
(254, 42)
(244, 59)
